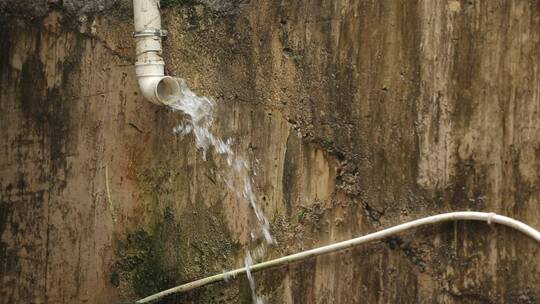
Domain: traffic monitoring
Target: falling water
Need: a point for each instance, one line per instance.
(200, 111)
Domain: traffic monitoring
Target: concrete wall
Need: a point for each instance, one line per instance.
(357, 115)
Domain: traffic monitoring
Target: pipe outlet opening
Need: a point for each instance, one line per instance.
(167, 90)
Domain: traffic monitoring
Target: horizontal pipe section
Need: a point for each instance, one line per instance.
(452, 216)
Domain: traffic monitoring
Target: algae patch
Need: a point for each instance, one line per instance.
(174, 247)
(141, 268)
(165, 3)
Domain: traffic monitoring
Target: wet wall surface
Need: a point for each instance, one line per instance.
(355, 115)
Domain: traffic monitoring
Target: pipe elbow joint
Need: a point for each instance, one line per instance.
(160, 90)
(149, 66)
(154, 85)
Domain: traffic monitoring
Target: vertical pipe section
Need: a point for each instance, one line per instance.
(150, 67)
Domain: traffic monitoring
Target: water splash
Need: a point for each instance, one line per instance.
(248, 262)
(200, 112)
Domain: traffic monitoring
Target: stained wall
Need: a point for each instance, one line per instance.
(355, 116)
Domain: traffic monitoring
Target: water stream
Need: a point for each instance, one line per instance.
(237, 177)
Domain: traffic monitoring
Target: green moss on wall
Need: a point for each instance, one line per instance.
(175, 246)
(142, 264)
(165, 3)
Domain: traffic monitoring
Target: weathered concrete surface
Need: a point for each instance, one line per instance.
(361, 114)
(40, 8)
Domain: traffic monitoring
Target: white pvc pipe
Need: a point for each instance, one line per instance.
(150, 67)
(452, 216)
